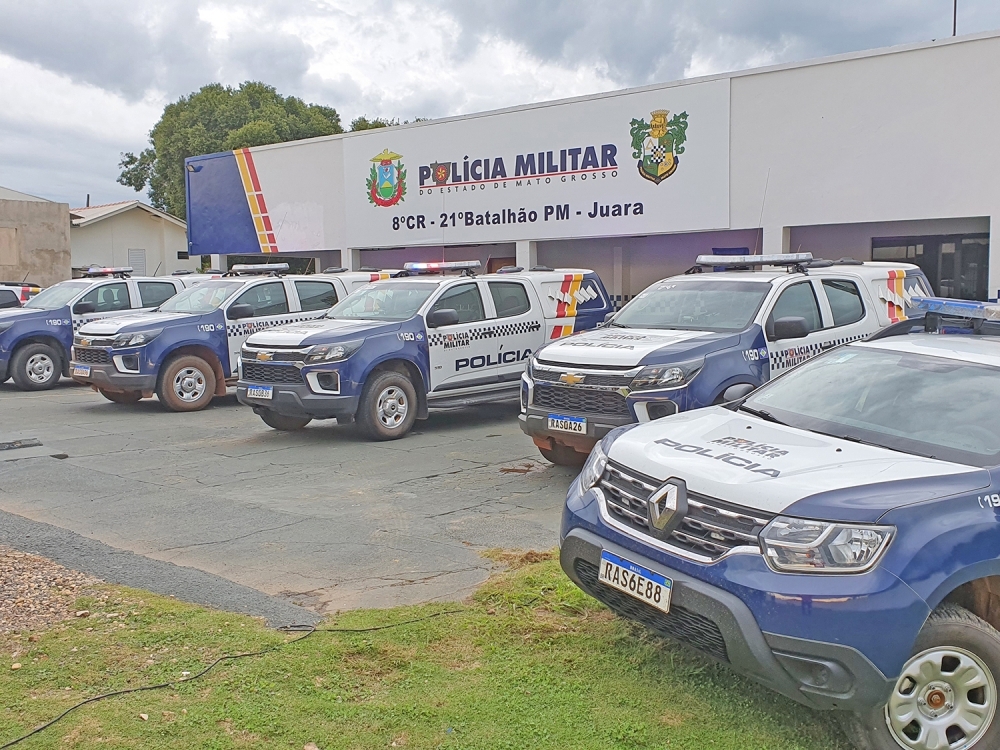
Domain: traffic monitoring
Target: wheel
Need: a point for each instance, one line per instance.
(946, 694)
(187, 383)
(119, 397)
(563, 455)
(281, 422)
(35, 367)
(388, 406)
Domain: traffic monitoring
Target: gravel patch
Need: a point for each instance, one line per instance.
(36, 592)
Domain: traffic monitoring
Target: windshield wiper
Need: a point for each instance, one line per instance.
(762, 414)
(860, 441)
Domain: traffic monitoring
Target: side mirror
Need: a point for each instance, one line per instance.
(84, 308)
(238, 312)
(609, 317)
(789, 328)
(736, 392)
(445, 317)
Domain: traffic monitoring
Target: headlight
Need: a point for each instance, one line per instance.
(667, 376)
(591, 473)
(332, 352)
(139, 338)
(795, 545)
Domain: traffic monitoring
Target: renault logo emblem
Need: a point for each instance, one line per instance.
(265, 356)
(571, 378)
(666, 507)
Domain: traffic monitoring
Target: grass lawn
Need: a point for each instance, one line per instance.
(529, 662)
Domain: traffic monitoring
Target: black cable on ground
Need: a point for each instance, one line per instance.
(308, 629)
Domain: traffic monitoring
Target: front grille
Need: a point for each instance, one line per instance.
(589, 378)
(580, 401)
(94, 341)
(276, 356)
(258, 373)
(711, 527)
(92, 356)
(681, 624)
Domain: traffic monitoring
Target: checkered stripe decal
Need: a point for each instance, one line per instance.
(620, 300)
(798, 354)
(241, 328)
(487, 332)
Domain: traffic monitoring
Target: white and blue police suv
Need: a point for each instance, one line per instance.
(187, 350)
(835, 535)
(684, 341)
(394, 349)
(35, 339)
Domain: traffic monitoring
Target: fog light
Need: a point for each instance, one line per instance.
(329, 381)
(660, 409)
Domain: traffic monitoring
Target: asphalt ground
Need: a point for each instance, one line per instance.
(217, 508)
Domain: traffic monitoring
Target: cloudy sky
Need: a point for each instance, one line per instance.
(81, 82)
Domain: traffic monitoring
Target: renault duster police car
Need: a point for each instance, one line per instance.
(35, 339)
(835, 535)
(394, 349)
(683, 341)
(188, 349)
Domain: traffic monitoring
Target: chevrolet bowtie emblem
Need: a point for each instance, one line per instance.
(571, 378)
(265, 356)
(84, 342)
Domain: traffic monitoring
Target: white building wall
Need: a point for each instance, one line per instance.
(107, 242)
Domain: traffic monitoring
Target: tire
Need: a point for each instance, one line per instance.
(952, 642)
(388, 406)
(563, 455)
(281, 422)
(187, 383)
(35, 367)
(119, 397)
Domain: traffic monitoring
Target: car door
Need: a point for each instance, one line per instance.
(110, 298)
(518, 327)
(315, 296)
(847, 314)
(269, 300)
(155, 293)
(462, 355)
(796, 300)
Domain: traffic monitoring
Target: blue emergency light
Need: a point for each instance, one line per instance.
(95, 271)
(742, 261)
(958, 308)
(260, 268)
(444, 265)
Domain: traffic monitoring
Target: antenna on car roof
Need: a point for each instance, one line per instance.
(760, 221)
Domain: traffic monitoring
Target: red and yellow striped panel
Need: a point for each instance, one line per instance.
(896, 313)
(570, 286)
(563, 330)
(255, 199)
(379, 276)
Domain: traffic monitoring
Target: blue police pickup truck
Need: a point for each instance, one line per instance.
(835, 534)
(187, 350)
(394, 349)
(36, 338)
(684, 341)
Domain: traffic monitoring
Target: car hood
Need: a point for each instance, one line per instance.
(320, 331)
(21, 313)
(624, 346)
(133, 322)
(765, 466)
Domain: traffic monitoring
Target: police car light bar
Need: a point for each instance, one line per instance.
(731, 261)
(445, 265)
(95, 271)
(958, 308)
(260, 268)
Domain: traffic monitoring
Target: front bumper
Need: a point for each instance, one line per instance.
(107, 377)
(297, 400)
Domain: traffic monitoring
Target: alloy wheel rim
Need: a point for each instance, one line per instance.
(189, 384)
(40, 368)
(944, 699)
(392, 407)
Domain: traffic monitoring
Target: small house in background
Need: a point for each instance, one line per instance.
(34, 239)
(129, 233)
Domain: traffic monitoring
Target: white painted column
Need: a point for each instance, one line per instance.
(993, 290)
(526, 253)
(350, 258)
(776, 239)
(218, 261)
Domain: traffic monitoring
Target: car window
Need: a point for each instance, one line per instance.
(9, 299)
(265, 299)
(155, 293)
(466, 300)
(108, 297)
(845, 301)
(316, 295)
(510, 298)
(797, 301)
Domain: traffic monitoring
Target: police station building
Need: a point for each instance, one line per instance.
(888, 155)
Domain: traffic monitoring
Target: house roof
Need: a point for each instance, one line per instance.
(81, 217)
(6, 194)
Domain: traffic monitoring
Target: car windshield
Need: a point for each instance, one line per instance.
(695, 305)
(914, 403)
(201, 298)
(387, 300)
(57, 296)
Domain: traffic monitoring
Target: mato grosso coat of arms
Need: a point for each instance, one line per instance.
(658, 144)
(387, 180)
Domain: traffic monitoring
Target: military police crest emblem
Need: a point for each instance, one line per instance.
(387, 180)
(658, 144)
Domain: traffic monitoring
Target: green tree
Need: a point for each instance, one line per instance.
(218, 118)
(363, 123)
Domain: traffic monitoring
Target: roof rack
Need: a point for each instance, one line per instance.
(511, 269)
(182, 272)
(335, 269)
(795, 262)
(467, 267)
(121, 272)
(541, 268)
(822, 263)
(259, 269)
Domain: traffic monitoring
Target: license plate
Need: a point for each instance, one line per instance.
(260, 391)
(82, 371)
(635, 580)
(568, 424)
